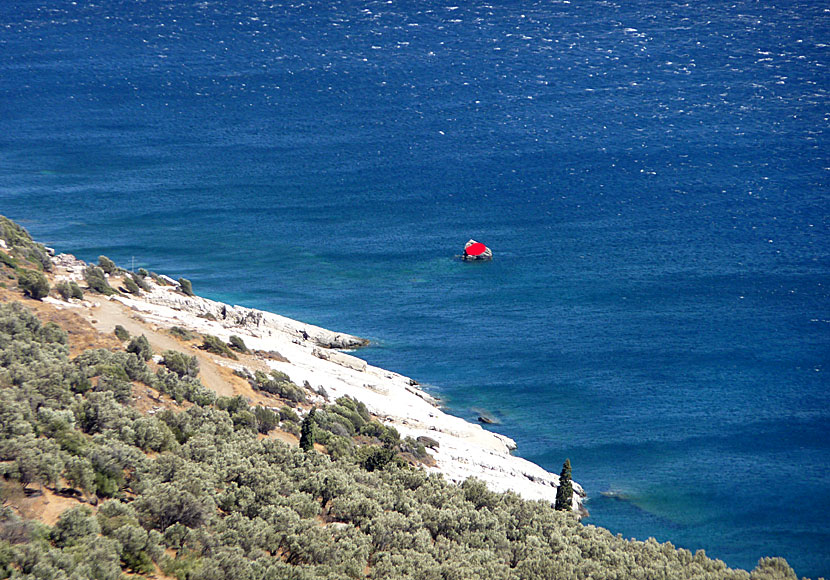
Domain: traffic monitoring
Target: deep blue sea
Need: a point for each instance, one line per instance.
(651, 176)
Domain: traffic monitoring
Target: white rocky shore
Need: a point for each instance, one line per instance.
(464, 449)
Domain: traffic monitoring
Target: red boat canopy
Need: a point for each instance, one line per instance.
(475, 249)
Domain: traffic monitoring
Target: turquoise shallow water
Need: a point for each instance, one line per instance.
(650, 176)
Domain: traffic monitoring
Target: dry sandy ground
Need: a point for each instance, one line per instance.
(38, 504)
(215, 372)
(108, 314)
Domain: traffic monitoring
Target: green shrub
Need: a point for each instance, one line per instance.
(417, 449)
(138, 562)
(348, 414)
(180, 363)
(69, 290)
(76, 290)
(377, 458)
(288, 414)
(120, 387)
(293, 428)
(34, 284)
(13, 234)
(79, 474)
(74, 525)
(476, 492)
(121, 333)
(141, 281)
(186, 565)
(130, 285)
(237, 344)
(141, 347)
(20, 244)
(215, 345)
(183, 388)
(773, 569)
(340, 447)
(7, 260)
(386, 434)
(107, 265)
(266, 419)
(186, 287)
(96, 281)
(182, 333)
(278, 384)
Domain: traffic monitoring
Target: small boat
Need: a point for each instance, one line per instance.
(474, 250)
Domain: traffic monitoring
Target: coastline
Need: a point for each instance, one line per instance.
(313, 356)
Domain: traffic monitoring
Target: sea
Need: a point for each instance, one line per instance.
(650, 175)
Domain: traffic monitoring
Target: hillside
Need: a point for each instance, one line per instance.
(128, 446)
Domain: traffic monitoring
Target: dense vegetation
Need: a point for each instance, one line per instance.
(20, 249)
(198, 490)
(199, 483)
(24, 260)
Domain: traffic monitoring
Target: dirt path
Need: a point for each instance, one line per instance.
(111, 313)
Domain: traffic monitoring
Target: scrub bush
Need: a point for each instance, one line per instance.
(266, 419)
(186, 287)
(181, 364)
(215, 345)
(121, 333)
(34, 284)
(7, 260)
(141, 347)
(237, 344)
(107, 265)
(141, 281)
(182, 333)
(96, 281)
(69, 290)
(21, 247)
(279, 384)
(130, 285)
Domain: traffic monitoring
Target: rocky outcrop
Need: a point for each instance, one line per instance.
(341, 358)
(251, 319)
(237, 318)
(476, 251)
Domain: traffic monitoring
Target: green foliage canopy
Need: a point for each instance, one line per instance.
(34, 284)
(213, 500)
(565, 491)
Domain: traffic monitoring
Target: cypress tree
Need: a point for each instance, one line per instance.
(565, 491)
(307, 432)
